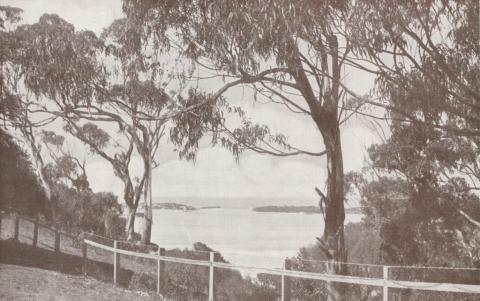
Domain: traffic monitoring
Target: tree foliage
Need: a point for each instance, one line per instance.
(426, 58)
(423, 195)
(286, 51)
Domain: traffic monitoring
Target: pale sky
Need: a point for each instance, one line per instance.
(215, 173)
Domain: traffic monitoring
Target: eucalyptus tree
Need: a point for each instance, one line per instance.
(60, 68)
(423, 47)
(290, 51)
(95, 85)
(136, 94)
(14, 103)
(425, 55)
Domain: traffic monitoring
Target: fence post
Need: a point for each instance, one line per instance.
(17, 226)
(84, 256)
(1, 215)
(57, 240)
(35, 232)
(286, 293)
(116, 263)
(385, 284)
(160, 270)
(210, 281)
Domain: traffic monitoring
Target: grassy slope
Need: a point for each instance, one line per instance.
(25, 283)
(69, 261)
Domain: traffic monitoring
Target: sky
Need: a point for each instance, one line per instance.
(215, 174)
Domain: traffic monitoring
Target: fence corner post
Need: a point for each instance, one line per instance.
(57, 240)
(17, 226)
(84, 256)
(385, 283)
(116, 264)
(210, 280)
(35, 232)
(160, 270)
(285, 283)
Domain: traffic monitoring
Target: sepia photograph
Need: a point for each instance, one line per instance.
(240, 150)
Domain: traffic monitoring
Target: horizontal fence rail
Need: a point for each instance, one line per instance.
(160, 257)
(378, 282)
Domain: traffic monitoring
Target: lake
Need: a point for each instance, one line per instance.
(241, 235)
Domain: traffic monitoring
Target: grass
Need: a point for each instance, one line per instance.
(27, 283)
(68, 261)
(136, 274)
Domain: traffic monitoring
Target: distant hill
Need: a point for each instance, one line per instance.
(173, 206)
(301, 209)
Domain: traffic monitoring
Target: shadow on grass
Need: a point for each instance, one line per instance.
(13, 252)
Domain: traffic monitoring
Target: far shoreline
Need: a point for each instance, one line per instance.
(302, 209)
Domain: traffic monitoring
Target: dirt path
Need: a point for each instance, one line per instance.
(24, 283)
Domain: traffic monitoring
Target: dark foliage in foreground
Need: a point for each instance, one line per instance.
(77, 207)
(19, 188)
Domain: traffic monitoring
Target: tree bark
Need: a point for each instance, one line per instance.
(148, 215)
(324, 113)
(325, 116)
(130, 226)
(333, 234)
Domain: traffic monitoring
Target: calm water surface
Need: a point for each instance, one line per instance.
(243, 236)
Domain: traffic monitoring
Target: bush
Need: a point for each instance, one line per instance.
(19, 188)
(86, 211)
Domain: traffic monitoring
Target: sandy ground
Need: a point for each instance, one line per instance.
(24, 283)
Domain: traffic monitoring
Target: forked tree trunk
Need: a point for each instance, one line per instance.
(333, 234)
(324, 113)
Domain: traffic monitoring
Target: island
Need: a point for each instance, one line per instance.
(173, 206)
(302, 209)
(179, 206)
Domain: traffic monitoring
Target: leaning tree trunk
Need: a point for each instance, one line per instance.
(130, 226)
(132, 205)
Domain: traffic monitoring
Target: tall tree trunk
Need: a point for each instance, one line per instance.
(148, 216)
(327, 122)
(333, 234)
(324, 113)
(130, 226)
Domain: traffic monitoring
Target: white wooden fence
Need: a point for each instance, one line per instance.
(384, 282)
(160, 257)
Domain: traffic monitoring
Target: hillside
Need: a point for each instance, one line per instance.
(26, 283)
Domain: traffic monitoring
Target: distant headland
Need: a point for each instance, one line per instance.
(178, 206)
(302, 209)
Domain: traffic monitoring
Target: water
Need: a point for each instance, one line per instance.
(241, 235)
